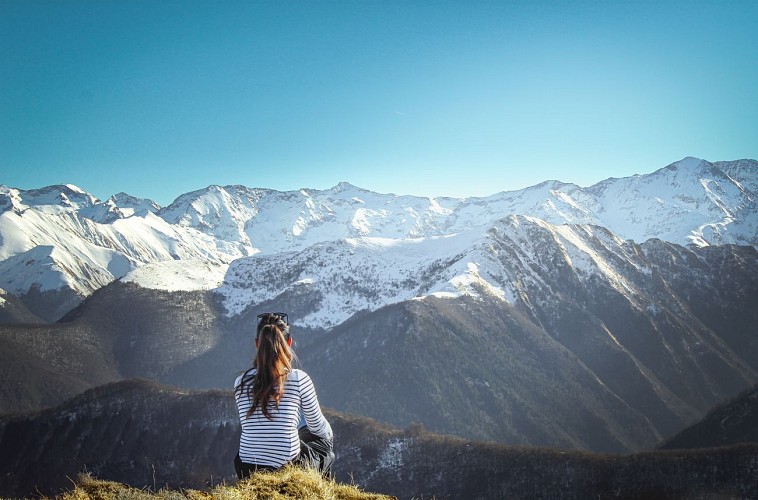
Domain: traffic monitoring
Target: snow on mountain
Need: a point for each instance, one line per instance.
(585, 252)
(103, 212)
(136, 205)
(366, 273)
(51, 267)
(60, 236)
(220, 212)
(742, 172)
(271, 221)
(688, 202)
(354, 274)
(119, 206)
(179, 275)
(51, 199)
(53, 242)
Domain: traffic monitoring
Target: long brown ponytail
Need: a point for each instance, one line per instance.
(273, 361)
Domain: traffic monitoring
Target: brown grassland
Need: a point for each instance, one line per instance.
(288, 483)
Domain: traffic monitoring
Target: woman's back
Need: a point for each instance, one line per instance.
(270, 398)
(274, 441)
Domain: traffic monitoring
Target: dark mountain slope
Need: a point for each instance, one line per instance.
(49, 305)
(474, 368)
(632, 329)
(733, 422)
(12, 310)
(120, 432)
(121, 331)
(150, 333)
(43, 365)
(143, 434)
(719, 286)
(629, 316)
(29, 383)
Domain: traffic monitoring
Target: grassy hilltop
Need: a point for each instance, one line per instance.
(288, 483)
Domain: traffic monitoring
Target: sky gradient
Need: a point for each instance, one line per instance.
(429, 98)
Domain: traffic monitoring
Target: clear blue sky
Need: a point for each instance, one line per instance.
(435, 98)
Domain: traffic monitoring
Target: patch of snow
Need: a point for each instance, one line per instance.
(392, 455)
(178, 275)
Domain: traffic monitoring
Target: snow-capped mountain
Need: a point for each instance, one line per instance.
(51, 199)
(356, 274)
(61, 242)
(688, 202)
(61, 239)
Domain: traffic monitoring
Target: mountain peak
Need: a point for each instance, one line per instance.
(124, 200)
(687, 163)
(74, 188)
(56, 197)
(345, 186)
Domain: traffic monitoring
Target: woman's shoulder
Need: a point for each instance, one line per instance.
(297, 374)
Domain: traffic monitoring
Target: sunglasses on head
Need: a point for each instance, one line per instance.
(276, 315)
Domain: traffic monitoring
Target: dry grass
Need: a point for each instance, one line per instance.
(288, 483)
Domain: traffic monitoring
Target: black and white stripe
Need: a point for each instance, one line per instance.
(275, 442)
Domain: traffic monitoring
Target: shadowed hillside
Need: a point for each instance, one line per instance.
(471, 368)
(43, 365)
(733, 422)
(13, 310)
(143, 434)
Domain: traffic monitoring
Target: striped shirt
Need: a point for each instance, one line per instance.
(275, 442)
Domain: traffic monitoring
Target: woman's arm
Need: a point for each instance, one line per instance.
(314, 418)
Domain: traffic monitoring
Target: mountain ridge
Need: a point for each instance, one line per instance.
(221, 224)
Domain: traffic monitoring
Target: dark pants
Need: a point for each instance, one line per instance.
(315, 453)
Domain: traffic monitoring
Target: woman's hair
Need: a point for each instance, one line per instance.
(273, 361)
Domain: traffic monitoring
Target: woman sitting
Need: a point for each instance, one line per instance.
(271, 396)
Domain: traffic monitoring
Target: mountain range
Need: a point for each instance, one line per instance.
(60, 243)
(604, 318)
